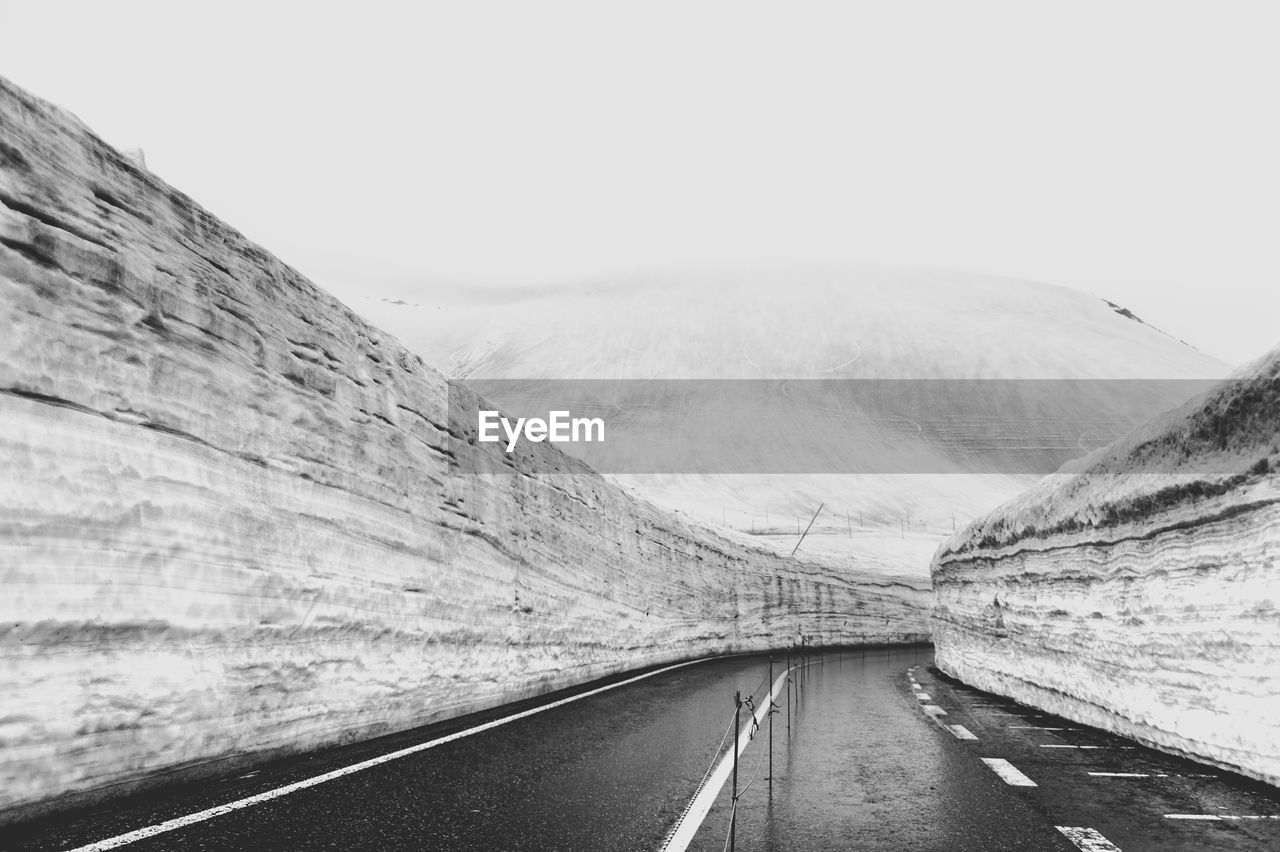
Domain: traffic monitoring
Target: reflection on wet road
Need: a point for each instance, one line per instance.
(862, 767)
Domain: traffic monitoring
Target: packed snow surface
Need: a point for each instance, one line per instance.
(1138, 589)
(229, 527)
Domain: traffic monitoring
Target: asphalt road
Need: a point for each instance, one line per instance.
(862, 767)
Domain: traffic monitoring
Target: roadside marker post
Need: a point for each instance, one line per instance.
(733, 812)
(772, 710)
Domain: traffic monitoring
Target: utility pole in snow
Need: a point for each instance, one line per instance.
(806, 529)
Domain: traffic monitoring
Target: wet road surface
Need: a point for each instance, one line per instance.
(1136, 799)
(863, 767)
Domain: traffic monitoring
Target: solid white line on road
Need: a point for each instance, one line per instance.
(1121, 774)
(1035, 728)
(923, 696)
(961, 732)
(934, 710)
(1087, 839)
(1217, 817)
(691, 820)
(200, 816)
(1008, 772)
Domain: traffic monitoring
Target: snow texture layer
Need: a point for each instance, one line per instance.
(228, 527)
(1138, 589)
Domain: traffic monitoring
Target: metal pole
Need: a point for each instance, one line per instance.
(788, 690)
(806, 529)
(770, 697)
(733, 814)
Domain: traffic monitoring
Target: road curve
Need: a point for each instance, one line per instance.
(863, 766)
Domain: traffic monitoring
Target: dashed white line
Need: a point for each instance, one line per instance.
(1008, 772)
(961, 732)
(923, 696)
(1060, 745)
(934, 710)
(1087, 839)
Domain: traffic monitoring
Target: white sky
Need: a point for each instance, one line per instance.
(1132, 150)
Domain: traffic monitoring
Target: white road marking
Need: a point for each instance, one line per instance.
(1217, 817)
(1008, 772)
(200, 816)
(1060, 745)
(1087, 839)
(1036, 728)
(934, 710)
(1122, 774)
(691, 820)
(961, 732)
(923, 696)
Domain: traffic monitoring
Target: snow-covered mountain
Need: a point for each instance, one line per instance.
(814, 322)
(799, 321)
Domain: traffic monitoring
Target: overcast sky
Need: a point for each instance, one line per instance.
(1131, 150)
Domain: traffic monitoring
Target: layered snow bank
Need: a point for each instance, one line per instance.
(228, 525)
(1138, 590)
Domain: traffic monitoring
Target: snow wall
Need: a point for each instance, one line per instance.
(229, 528)
(1139, 589)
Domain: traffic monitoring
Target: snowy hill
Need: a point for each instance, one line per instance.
(790, 322)
(812, 322)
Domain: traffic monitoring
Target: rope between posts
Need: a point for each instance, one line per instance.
(754, 773)
(749, 702)
(733, 814)
(754, 728)
(705, 776)
(715, 758)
